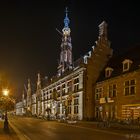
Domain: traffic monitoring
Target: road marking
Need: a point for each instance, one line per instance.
(20, 135)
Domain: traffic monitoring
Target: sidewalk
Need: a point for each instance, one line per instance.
(113, 127)
(7, 136)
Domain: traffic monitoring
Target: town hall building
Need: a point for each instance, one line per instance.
(80, 89)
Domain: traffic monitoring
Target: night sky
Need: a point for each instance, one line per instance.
(29, 42)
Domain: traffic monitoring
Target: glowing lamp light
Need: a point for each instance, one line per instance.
(5, 92)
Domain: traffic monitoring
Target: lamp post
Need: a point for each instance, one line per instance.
(6, 127)
(5, 93)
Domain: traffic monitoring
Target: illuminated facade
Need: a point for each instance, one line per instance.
(64, 97)
(70, 94)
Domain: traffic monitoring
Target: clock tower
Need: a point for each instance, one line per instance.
(65, 61)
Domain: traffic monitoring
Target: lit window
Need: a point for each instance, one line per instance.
(126, 64)
(130, 87)
(112, 90)
(98, 93)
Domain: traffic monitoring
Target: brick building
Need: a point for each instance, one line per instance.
(117, 91)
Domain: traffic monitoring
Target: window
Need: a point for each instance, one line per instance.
(76, 84)
(76, 101)
(69, 85)
(126, 64)
(98, 93)
(112, 90)
(58, 88)
(63, 89)
(58, 91)
(76, 87)
(126, 90)
(75, 109)
(130, 87)
(51, 96)
(108, 71)
(63, 86)
(69, 110)
(69, 102)
(76, 80)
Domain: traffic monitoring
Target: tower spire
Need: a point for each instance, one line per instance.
(66, 47)
(66, 19)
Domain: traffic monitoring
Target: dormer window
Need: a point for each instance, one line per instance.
(126, 64)
(108, 72)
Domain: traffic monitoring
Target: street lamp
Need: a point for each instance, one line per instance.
(6, 127)
(5, 92)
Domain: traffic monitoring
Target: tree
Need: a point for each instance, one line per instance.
(6, 103)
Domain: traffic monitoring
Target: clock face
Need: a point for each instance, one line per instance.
(66, 31)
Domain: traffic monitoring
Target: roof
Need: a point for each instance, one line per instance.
(132, 53)
(76, 64)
